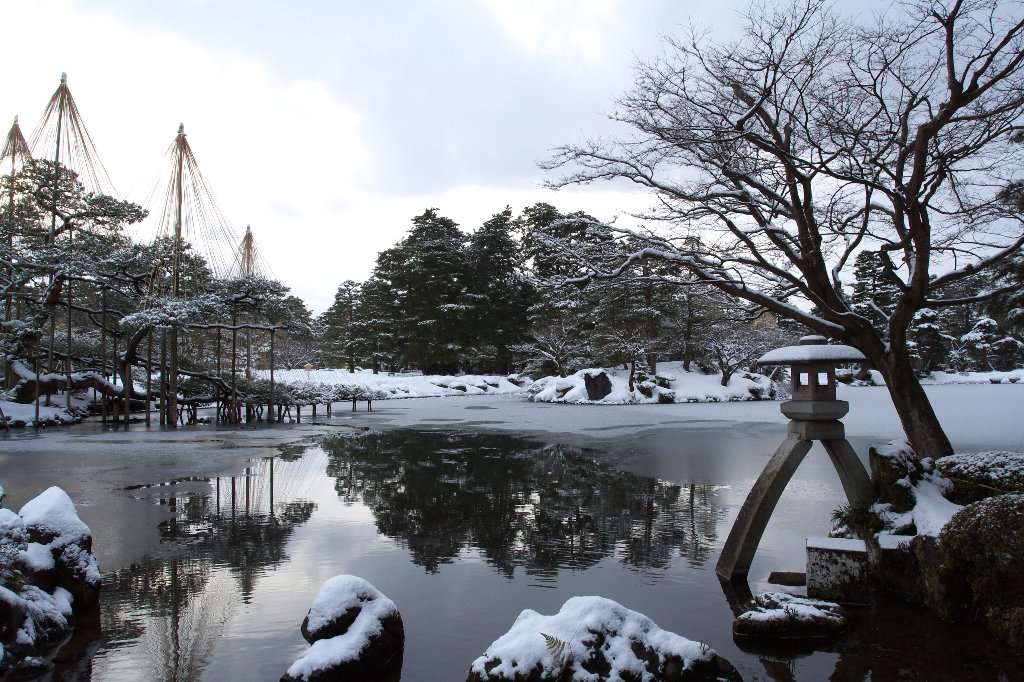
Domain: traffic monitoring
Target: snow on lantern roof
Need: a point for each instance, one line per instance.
(811, 349)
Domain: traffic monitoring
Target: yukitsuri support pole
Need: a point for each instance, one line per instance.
(149, 377)
(53, 214)
(67, 360)
(270, 407)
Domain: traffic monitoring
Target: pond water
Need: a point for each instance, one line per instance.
(463, 531)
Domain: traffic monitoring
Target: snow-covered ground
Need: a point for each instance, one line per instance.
(672, 384)
(398, 385)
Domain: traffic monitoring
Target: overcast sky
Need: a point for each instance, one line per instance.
(327, 125)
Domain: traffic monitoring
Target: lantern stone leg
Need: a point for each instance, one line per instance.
(852, 475)
(745, 536)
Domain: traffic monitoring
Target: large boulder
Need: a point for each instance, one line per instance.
(593, 638)
(894, 471)
(356, 634)
(777, 615)
(598, 385)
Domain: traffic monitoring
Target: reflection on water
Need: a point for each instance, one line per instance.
(539, 507)
(162, 616)
(462, 529)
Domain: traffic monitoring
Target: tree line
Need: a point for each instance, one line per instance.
(496, 300)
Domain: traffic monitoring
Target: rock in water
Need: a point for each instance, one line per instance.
(356, 634)
(593, 638)
(46, 568)
(780, 615)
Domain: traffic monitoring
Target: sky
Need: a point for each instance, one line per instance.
(327, 125)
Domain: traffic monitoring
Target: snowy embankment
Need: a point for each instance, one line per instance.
(397, 385)
(947, 378)
(20, 414)
(672, 384)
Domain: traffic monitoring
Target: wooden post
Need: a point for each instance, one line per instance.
(149, 378)
(103, 350)
(163, 378)
(270, 412)
(234, 366)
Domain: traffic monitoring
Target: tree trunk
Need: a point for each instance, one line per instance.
(920, 424)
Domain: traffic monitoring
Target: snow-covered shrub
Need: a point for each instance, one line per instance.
(979, 475)
(983, 545)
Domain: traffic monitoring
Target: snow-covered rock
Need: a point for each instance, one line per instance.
(46, 566)
(593, 638)
(356, 633)
(778, 615)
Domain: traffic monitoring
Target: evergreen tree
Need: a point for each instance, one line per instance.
(427, 272)
(337, 347)
(873, 293)
(496, 296)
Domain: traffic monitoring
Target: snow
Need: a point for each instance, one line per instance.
(524, 646)
(398, 386)
(37, 557)
(942, 378)
(811, 353)
(683, 387)
(1001, 470)
(932, 510)
(53, 512)
(26, 413)
(836, 544)
(779, 607)
(336, 596)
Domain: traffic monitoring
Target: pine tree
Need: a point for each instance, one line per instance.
(426, 273)
(337, 347)
(496, 297)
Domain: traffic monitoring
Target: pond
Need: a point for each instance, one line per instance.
(463, 530)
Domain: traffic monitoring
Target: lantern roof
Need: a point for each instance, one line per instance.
(812, 349)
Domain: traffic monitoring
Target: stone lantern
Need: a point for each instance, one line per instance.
(814, 414)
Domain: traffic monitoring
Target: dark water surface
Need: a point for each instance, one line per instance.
(463, 531)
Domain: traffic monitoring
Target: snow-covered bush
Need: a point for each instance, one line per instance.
(983, 545)
(979, 475)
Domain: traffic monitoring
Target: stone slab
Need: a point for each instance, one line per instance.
(837, 570)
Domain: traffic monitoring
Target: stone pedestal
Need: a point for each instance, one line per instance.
(837, 570)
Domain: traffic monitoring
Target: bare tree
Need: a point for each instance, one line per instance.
(777, 158)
